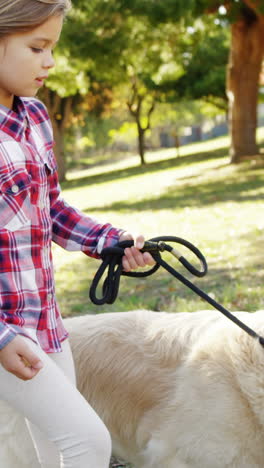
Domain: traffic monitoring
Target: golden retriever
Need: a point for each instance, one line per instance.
(181, 390)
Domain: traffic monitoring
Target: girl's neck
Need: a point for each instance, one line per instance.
(7, 100)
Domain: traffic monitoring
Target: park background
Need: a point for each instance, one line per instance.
(157, 108)
(157, 111)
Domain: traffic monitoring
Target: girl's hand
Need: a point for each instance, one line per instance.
(16, 357)
(133, 258)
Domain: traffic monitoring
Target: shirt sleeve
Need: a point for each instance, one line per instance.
(73, 230)
(6, 334)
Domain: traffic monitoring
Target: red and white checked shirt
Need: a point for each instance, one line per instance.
(32, 214)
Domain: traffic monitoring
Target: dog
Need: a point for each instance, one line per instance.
(183, 390)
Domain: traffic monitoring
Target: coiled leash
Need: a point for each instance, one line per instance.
(112, 262)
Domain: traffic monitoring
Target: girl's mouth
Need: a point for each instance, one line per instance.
(40, 80)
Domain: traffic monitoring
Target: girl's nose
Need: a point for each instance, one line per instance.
(48, 61)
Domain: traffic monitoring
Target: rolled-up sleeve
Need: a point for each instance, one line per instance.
(6, 334)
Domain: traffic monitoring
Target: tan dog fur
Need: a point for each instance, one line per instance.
(181, 390)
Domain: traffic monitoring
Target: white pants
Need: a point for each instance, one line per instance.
(66, 431)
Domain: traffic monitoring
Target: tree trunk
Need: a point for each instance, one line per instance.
(141, 144)
(135, 107)
(59, 149)
(246, 55)
(60, 110)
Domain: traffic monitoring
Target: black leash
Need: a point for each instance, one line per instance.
(112, 262)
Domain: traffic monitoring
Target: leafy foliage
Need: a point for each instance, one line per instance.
(171, 49)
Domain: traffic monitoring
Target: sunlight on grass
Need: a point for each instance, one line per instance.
(199, 197)
(153, 156)
(159, 155)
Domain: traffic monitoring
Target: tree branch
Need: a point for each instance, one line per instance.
(131, 101)
(150, 111)
(67, 111)
(255, 6)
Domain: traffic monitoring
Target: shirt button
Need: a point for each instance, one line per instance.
(15, 188)
(49, 296)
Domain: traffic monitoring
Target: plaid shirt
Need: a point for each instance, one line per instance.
(32, 214)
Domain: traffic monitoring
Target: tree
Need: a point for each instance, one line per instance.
(115, 47)
(80, 64)
(205, 57)
(123, 51)
(243, 77)
(147, 51)
(130, 42)
(135, 103)
(246, 18)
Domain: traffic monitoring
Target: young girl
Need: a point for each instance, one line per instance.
(36, 366)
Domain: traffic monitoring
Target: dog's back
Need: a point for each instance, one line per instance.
(175, 390)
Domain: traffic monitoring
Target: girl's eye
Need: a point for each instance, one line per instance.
(36, 50)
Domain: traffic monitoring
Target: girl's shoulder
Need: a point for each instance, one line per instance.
(39, 120)
(36, 109)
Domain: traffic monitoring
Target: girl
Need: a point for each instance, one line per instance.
(36, 366)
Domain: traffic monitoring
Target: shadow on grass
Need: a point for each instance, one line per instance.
(195, 194)
(162, 292)
(148, 168)
(178, 161)
(236, 287)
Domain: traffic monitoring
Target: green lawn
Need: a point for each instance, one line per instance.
(198, 196)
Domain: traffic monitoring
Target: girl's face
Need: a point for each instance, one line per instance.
(25, 60)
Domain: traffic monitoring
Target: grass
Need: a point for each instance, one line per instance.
(198, 196)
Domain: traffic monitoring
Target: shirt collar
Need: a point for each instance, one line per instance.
(13, 121)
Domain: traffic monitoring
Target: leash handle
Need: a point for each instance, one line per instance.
(112, 265)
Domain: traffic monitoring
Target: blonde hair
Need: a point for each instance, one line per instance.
(23, 15)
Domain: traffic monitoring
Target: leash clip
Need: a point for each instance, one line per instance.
(153, 247)
(161, 246)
